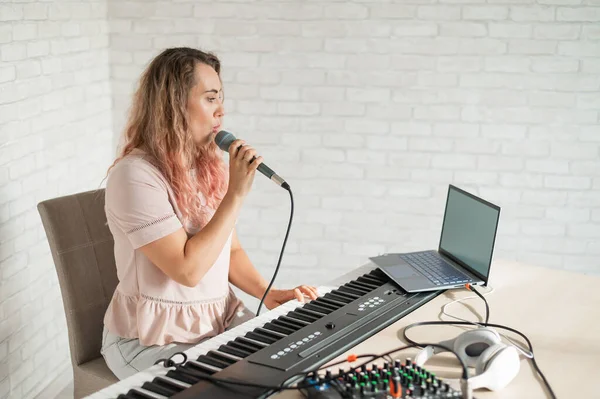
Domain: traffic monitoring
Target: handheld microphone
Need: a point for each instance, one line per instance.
(224, 140)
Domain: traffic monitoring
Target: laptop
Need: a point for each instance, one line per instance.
(464, 254)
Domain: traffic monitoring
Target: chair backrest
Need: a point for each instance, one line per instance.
(82, 248)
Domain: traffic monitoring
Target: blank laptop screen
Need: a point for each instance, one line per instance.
(469, 231)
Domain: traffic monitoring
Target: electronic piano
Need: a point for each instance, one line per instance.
(273, 348)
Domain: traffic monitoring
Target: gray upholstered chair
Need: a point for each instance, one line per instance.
(82, 249)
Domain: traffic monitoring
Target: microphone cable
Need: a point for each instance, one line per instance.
(289, 190)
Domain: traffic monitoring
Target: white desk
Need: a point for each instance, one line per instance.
(559, 312)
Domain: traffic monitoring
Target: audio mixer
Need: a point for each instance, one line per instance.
(390, 380)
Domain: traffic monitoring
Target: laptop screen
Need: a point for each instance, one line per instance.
(469, 231)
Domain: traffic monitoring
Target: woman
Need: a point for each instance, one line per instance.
(172, 205)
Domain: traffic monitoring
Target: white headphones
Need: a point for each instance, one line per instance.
(496, 364)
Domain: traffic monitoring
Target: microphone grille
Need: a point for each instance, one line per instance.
(224, 140)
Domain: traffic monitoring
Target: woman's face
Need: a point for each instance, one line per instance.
(205, 105)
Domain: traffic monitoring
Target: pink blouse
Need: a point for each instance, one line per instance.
(147, 304)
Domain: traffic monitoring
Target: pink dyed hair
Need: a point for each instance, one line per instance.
(158, 123)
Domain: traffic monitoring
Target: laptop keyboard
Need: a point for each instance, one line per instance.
(435, 268)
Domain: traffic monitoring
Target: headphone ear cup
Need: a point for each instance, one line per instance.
(497, 367)
(487, 354)
(471, 344)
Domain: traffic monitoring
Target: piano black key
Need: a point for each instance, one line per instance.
(305, 310)
(192, 372)
(359, 286)
(226, 357)
(167, 383)
(324, 304)
(379, 275)
(302, 323)
(317, 308)
(135, 394)
(234, 351)
(278, 328)
(156, 388)
(270, 332)
(203, 367)
(285, 324)
(308, 314)
(349, 291)
(327, 299)
(249, 341)
(242, 346)
(296, 315)
(337, 296)
(183, 377)
(373, 284)
(206, 359)
(261, 337)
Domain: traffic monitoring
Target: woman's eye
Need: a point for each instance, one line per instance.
(212, 99)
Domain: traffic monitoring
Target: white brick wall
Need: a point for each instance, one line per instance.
(370, 109)
(55, 139)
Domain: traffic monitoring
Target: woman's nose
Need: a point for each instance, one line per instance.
(220, 111)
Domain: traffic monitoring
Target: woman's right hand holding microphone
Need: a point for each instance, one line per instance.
(243, 163)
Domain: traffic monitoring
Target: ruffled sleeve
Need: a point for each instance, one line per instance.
(137, 201)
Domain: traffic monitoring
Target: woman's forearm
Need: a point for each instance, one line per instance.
(202, 250)
(244, 275)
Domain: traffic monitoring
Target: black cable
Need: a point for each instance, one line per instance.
(467, 323)
(288, 188)
(487, 308)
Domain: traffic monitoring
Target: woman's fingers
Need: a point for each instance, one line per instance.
(298, 295)
(313, 291)
(235, 147)
(249, 155)
(255, 163)
(309, 291)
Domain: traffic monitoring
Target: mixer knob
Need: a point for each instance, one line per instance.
(397, 363)
(418, 391)
(374, 386)
(396, 388)
(446, 387)
(328, 374)
(363, 368)
(386, 365)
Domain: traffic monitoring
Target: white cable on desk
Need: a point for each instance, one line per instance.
(517, 346)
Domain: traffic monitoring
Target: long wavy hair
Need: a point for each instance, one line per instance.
(158, 124)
